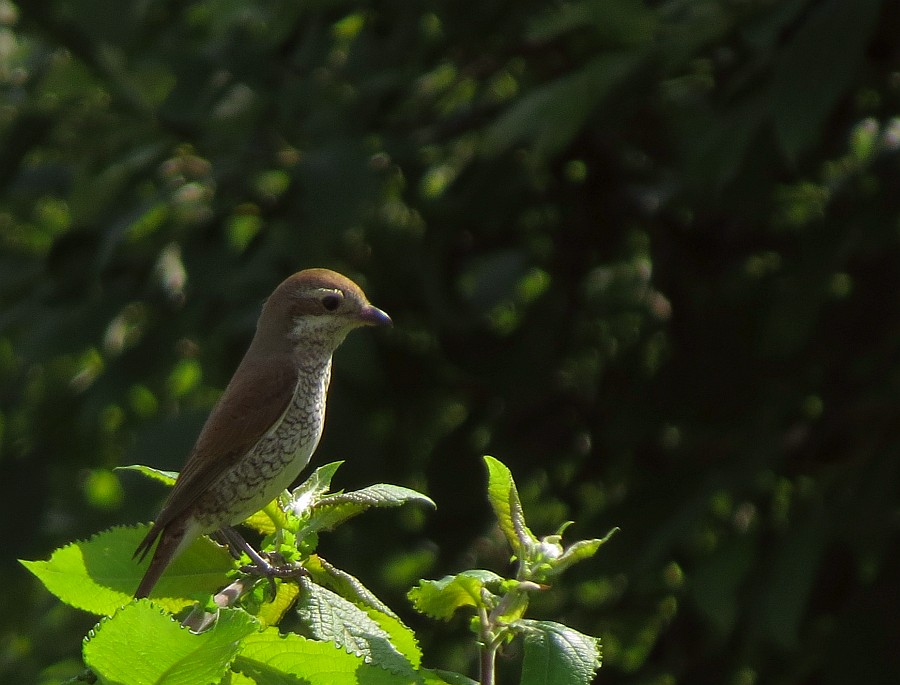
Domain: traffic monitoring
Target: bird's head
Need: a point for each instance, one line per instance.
(317, 307)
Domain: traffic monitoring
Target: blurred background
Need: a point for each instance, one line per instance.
(647, 253)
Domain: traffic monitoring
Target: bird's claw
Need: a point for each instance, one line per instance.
(272, 571)
(265, 568)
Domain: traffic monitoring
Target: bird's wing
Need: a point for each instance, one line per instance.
(256, 397)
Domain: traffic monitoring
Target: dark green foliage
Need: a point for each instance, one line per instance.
(648, 252)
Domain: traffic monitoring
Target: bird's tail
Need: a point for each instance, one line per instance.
(171, 539)
(147, 542)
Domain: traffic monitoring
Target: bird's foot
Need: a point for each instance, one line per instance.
(273, 565)
(275, 570)
(264, 568)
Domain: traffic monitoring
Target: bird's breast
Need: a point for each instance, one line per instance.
(277, 458)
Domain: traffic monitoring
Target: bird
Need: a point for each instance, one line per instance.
(267, 423)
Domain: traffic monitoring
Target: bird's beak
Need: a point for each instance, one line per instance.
(373, 316)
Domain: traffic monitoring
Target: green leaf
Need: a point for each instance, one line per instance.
(716, 142)
(271, 613)
(141, 645)
(331, 617)
(333, 510)
(281, 513)
(791, 578)
(716, 583)
(99, 575)
(401, 637)
(551, 115)
(440, 599)
(556, 654)
(310, 490)
(579, 551)
(624, 22)
(439, 677)
(346, 585)
(165, 477)
(351, 588)
(270, 658)
(504, 499)
(233, 678)
(817, 67)
(513, 604)
(273, 516)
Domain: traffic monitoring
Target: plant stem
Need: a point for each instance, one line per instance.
(487, 648)
(488, 654)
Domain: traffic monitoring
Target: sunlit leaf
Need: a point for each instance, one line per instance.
(556, 654)
(441, 598)
(141, 645)
(99, 575)
(504, 499)
(332, 510)
(332, 618)
(268, 657)
(166, 477)
(272, 611)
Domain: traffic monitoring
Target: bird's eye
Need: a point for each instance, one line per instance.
(331, 302)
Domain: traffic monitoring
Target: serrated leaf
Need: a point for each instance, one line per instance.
(332, 618)
(400, 635)
(329, 512)
(556, 654)
(325, 512)
(352, 589)
(270, 658)
(165, 477)
(504, 499)
(440, 599)
(345, 584)
(378, 495)
(310, 490)
(234, 678)
(141, 645)
(99, 575)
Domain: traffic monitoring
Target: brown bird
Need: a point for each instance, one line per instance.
(266, 425)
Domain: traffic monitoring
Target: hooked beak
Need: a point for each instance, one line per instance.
(373, 316)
